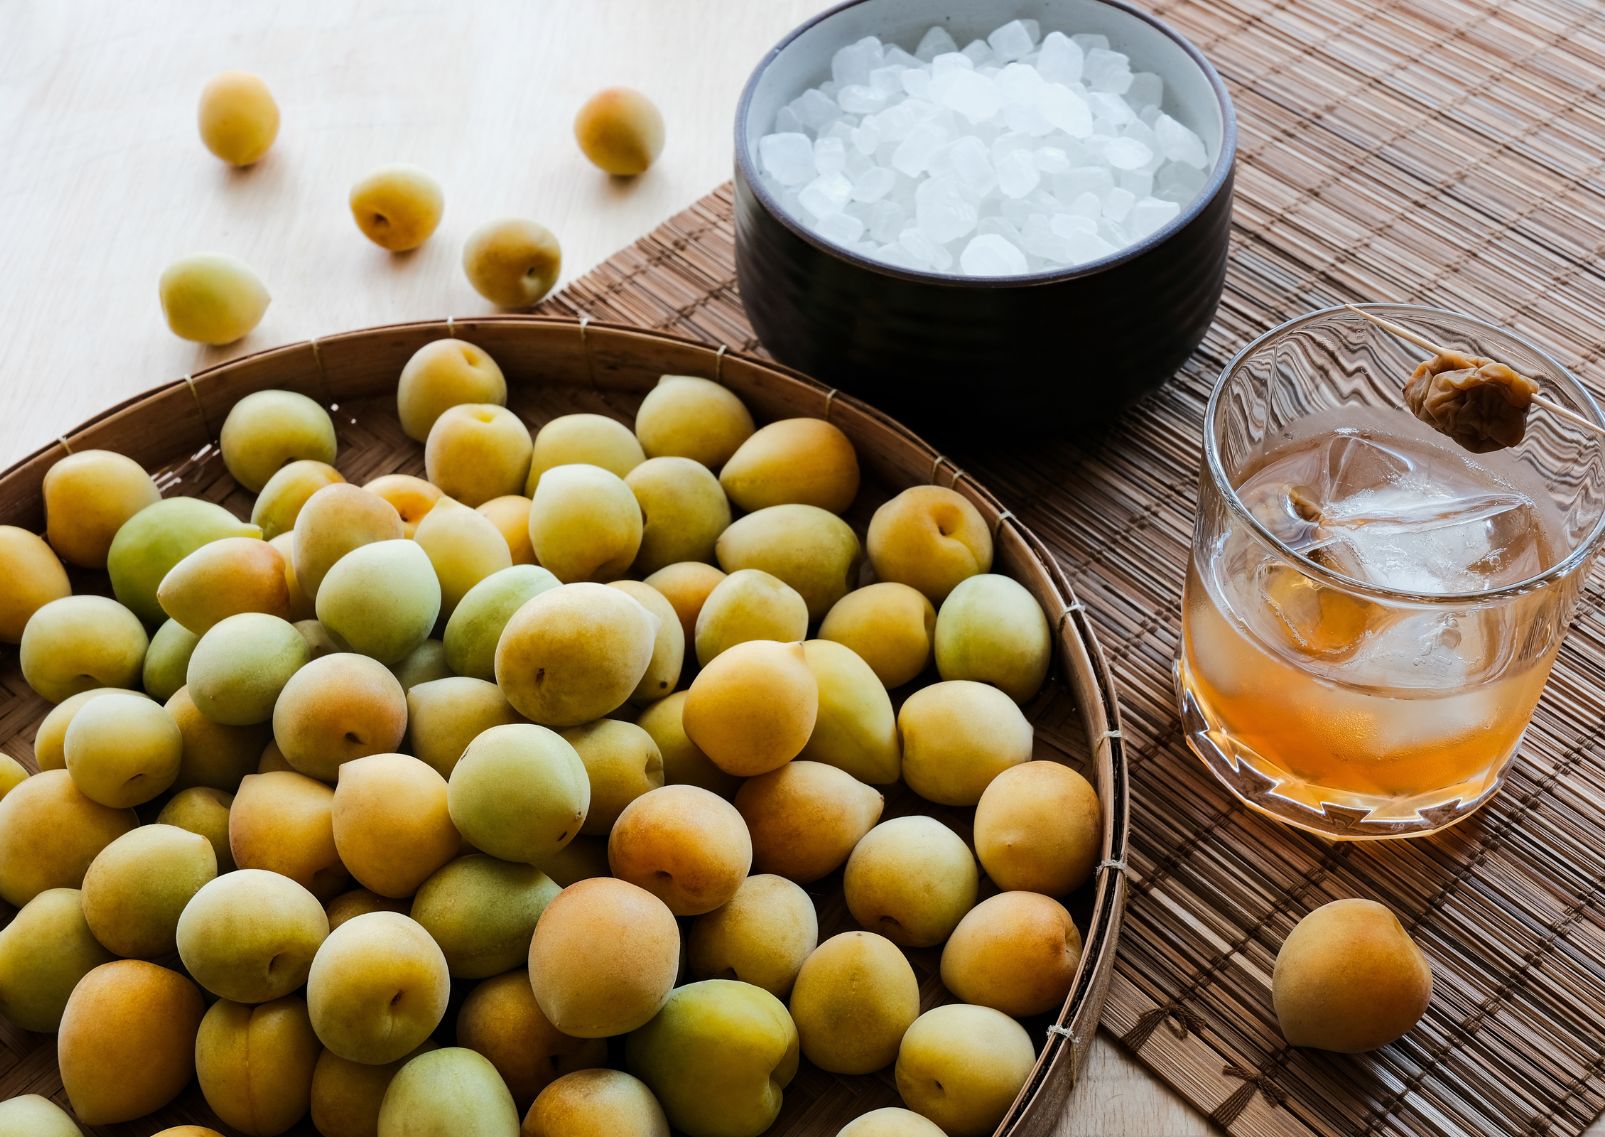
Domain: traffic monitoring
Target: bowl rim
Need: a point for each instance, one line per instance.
(1219, 177)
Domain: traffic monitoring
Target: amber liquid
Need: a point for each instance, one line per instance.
(1328, 697)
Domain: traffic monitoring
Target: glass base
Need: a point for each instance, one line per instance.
(1351, 817)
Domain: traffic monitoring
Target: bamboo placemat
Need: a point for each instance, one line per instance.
(1439, 151)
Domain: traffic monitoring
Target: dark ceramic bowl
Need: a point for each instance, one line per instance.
(1053, 350)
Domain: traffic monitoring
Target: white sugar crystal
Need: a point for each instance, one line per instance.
(1178, 183)
(1017, 173)
(1146, 90)
(968, 93)
(1039, 240)
(1139, 182)
(1061, 59)
(788, 157)
(1117, 204)
(856, 99)
(935, 42)
(826, 194)
(1127, 154)
(915, 82)
(1082, 179)
(1179, 144)
(1065, 110)
(977, 52)
(1051, 160)
(1019, 153)
(888, 80)
(1150, 214)
(885, 220)
(843, 228)
(923, 249)
(853, 63)
(971, 163)
(942, 210)
(1107, 71)
(815, 109)
(829, 155)
(915, 152)
(1019, 83)
(1014, 39)
(873, 184)
(991, 254)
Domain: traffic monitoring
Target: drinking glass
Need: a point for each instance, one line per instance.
(1371, 612)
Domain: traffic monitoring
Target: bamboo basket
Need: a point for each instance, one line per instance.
(557, 366)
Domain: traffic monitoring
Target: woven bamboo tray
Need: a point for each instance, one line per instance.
(557, 366)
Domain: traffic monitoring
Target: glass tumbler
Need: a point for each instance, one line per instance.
(1371, 612)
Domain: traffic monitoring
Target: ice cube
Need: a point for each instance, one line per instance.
(1127, 154)
(1017, 173)
(943, 211)
(929, 253)
(1065, 110)
(826, 194)
(873, 184)
(1146, 90)
(1106, 70)
(1061, 59)
(935, 42)
(992, 255)
(1073, 225)
(787, 157)
(1315, 619)
(853, 63)
(1179, 144)
(866, 137)
(1088, 42)
(1087, 205)
(829, 155)
(977, 52)
(951, 61)
(915, 152)
(842, 228)
(1149, 215)
(787, 122)
(1013, 40)
(1001, 226)
(861, 99)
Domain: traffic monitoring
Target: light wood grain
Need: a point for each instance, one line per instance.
(105, 181)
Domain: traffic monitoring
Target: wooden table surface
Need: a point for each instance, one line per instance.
(104, 181)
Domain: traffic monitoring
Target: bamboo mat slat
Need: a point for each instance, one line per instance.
(1441, 151)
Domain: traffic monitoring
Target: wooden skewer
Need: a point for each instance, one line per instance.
(1425, 344)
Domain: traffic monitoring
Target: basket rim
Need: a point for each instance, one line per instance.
(1077, 645)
